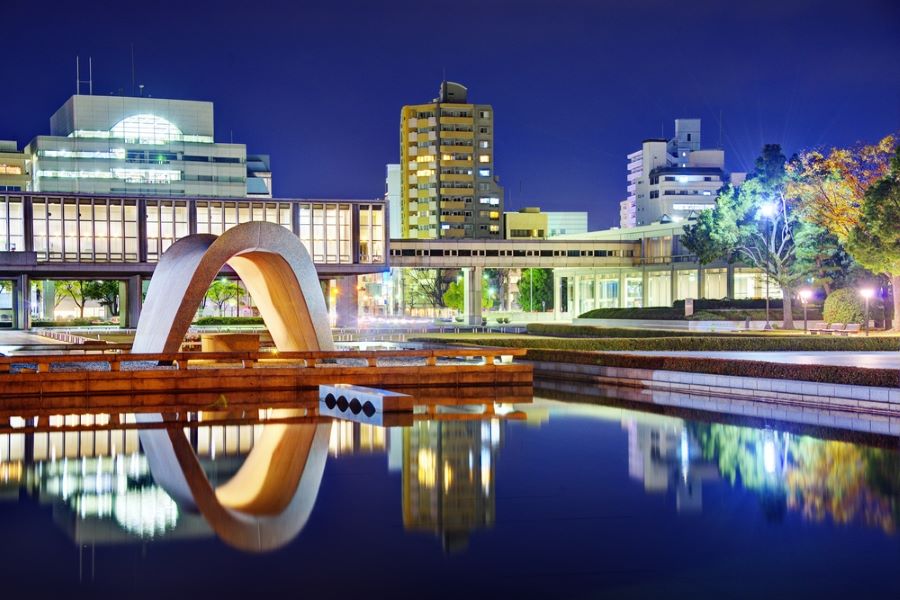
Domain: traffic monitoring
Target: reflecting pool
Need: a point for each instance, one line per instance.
(548, 499)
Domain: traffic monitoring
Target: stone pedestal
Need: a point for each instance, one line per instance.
(229, 342)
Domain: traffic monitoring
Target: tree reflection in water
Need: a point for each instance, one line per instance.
(822, 479)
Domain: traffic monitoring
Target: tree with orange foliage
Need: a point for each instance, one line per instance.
(830, 187)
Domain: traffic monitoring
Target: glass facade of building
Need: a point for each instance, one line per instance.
(85, 229)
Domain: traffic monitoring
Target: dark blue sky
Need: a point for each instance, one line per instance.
(575, 85)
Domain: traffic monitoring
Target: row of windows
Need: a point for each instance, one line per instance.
(438, 252)
(106, 230)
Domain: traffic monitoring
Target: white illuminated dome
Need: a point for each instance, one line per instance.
(146, 129)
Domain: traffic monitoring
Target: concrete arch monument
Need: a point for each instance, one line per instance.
(272, 263)
(268, 501)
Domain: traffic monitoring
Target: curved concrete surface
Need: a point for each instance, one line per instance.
(269, 499)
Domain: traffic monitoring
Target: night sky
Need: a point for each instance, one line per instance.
(575, 85)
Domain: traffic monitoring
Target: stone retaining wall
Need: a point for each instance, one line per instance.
(865, 408)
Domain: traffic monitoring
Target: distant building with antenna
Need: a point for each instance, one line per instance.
(670, 180)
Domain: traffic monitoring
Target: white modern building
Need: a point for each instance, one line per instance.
(393, 193)
(566, 223)
(114, 145)
(673, 179)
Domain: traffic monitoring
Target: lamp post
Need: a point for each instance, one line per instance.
(805, 295)
(867, 293)
(767, 211)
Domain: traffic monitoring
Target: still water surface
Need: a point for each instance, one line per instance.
(566, 500)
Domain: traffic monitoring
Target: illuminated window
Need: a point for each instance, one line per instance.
(484, 172)
(484, 114)
(10, 169)
(484, 158)
(484, 144)
(146, 129)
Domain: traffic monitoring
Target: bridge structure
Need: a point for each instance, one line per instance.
(643, 266)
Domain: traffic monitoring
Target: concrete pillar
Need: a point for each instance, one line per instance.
(48, 299)
(130, 301)
(557, 296)
(645, 288)
(472, 282)
(622, 289)
(576, 296)
(729, 281)
(673, 284)
(22, 302)
(597, 291)
(700, 283)
(347, 305)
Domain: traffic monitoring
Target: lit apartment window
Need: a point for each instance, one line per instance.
(484, 114)
(484, 172)
(484, 158)
(484, 144)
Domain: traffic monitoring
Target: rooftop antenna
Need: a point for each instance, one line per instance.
(141, 89)
(89, 80)
(720, 129)
(132, 68)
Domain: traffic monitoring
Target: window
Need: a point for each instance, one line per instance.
(484, 114)
(484, 172)
(484, 158)
(484, 187)
(484, 144)
(689, 137)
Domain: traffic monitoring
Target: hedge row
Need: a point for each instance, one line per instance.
(745, 303)
(229, 321)
(716, 366)
(591, 331)
(697, 344)
(664, 313)
(73, 323)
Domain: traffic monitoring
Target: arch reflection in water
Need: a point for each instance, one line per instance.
(269, 499)
(267, 502)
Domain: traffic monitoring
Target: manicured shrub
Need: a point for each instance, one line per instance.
(673, 314)
(76, 322)
(715, 366)
(844, 306)
(726, 303)
(229, 321)
(705, 343)
(590, 331)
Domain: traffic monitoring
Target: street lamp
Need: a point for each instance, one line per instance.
(867, 293)
(805, 295)
(767, 211)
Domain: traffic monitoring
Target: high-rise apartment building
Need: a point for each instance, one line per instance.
(670, 179)
(449, 187)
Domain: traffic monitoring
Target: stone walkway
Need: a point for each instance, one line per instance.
(13, 341)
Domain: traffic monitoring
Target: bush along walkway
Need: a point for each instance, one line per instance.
(704, 343)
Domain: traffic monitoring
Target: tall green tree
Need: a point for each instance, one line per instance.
(536, 289)
(755, 224)
(221, 291)
(105, 292)
(875, 240)
(454, 297)
(74, 289)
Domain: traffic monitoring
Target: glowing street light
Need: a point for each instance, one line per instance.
(867, 293)
(805, 294)
(768, 209)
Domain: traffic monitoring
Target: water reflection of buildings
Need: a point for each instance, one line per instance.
(448, 478)
(100, 489)
(662, 454)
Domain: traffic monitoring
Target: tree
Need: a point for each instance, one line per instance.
(76, 291)
(757, 225)
(830, 188)
(106, 292)
(824, 259)
(221, 291)
(426, 287)
(454, 297)
(536, 289)
(499, 279)
(875, 240)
